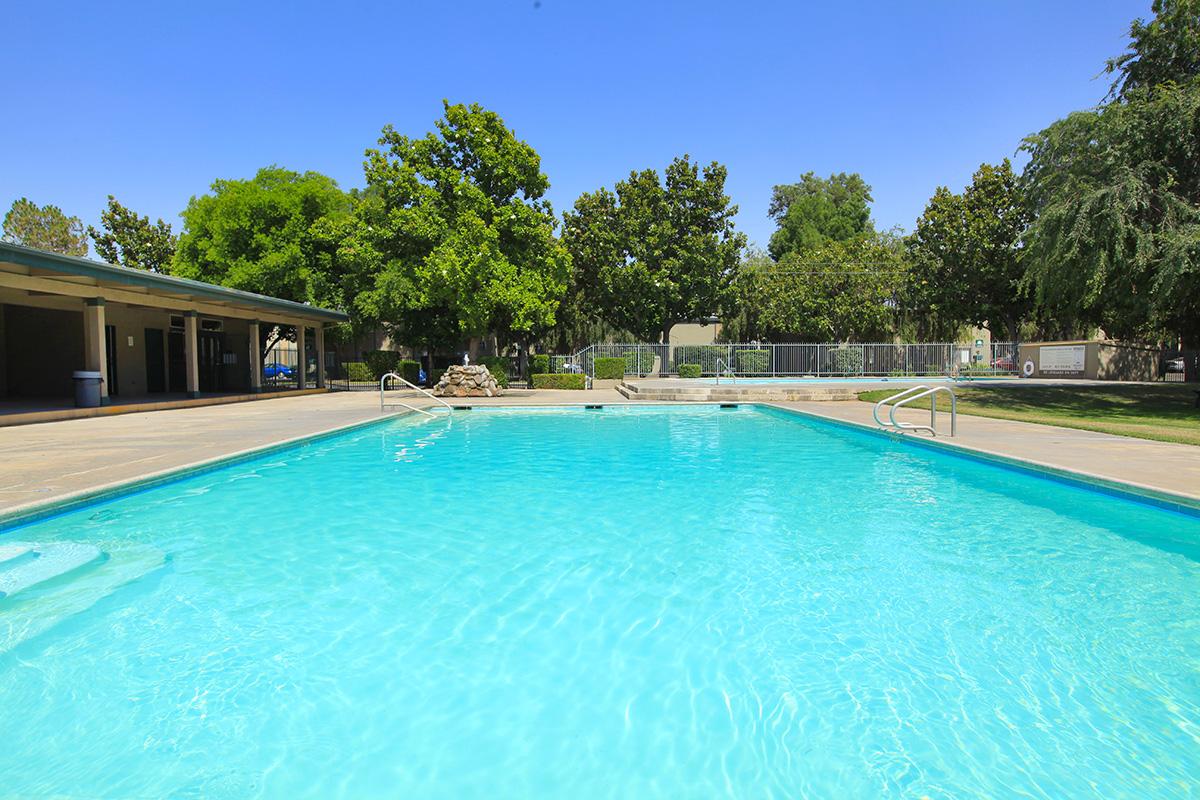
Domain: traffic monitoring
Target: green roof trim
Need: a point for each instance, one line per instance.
(99, 270)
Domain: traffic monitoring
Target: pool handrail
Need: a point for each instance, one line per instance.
(722, 363)
(411, 385)
(908, 396)
(896, 396)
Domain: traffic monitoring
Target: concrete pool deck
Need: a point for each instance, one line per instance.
(75, 459)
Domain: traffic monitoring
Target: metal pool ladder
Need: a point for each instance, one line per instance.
(383, 404)
(916, 393)
(728, 370)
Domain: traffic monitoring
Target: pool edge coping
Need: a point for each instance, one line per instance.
(1130, 490)
(39, 510)
(33, 512)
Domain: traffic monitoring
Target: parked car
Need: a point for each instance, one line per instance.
(1007, 362)
(278, 373)
(1176, 365)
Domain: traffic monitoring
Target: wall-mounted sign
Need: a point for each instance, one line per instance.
(979, 342)
(1062, 358)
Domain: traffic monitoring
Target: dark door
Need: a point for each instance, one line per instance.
(110, 357)
(210, 344)
(176, 362)
(156, 366)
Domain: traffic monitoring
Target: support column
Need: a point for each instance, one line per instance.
(191, 352)
(256, 367)
(301, 359)
(320, 343)
(93, 343)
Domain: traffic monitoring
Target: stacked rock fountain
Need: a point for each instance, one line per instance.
(467, 380)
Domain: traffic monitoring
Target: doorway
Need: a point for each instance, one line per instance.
(156, 364)
(176, 363)
(110, 358)
(210, 345)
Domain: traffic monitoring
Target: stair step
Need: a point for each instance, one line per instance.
(30, 564)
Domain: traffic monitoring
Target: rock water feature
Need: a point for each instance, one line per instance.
(463, 380)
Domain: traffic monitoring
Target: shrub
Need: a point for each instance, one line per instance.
(498, 366)
(381, 362)
(638, 362)
(754, 362)
(560, 380)
(608, 369)
(436, 376)
(409, 370)
(358, 371)
(846, 360)
(689, 370)
(706, 355)
(539, 364)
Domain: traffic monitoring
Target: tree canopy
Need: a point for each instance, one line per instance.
(818, 211)
(841, 291)
(453, 238)
(1166, 49)
(264, 235)
(966, 257)
(44, 227)
(658, 250)
(131, 241)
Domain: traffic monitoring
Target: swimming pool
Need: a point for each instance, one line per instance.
(633, 602)
(860, 379)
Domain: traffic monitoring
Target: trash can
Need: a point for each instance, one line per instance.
(87, 388)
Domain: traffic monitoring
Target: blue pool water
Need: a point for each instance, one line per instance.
(662, 602)
(861, 379)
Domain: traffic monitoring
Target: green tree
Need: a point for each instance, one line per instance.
(44, 227)
(1166, 49)
(656, 252)
(277, 233)
(967, 257)
(842, 291)
(817, 211)
(131, 241)
(454, 239)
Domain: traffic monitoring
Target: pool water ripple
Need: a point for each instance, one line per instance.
(627, 603)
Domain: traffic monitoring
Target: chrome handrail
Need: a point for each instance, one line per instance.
(721, 363)
(886, 400)
(932, 395)
(383, 405)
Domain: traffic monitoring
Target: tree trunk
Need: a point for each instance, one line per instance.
(523, 361)
(666, 332)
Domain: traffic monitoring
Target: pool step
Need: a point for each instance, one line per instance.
(71, 578)
(24, 565)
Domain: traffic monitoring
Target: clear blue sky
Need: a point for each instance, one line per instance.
(153, 103)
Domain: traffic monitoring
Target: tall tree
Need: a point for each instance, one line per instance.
(131, 241)
(44, 227)
(842, 291)
(658, 251)
(1166, 49)
(1116, 191)
(454, 239)
(817, 211)
(966, 253)
(269, 234)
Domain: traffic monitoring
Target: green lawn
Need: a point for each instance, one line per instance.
(1164, 411)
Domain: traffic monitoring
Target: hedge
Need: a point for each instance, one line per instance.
(846, 360)
(689, 370)
(539, 364)
(409, 370)
(705, 355)
(608, 369)
(381, 362)
(560, 380)
(498, 366)
(358, 371)
(754, 362)
(638, 362)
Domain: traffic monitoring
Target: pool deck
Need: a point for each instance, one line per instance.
(74, 459)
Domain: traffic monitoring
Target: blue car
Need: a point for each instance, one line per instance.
(277, 371)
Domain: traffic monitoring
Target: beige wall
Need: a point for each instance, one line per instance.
(1106, 361)
(694, 333)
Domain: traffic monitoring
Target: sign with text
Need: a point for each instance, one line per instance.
(1062, 358)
